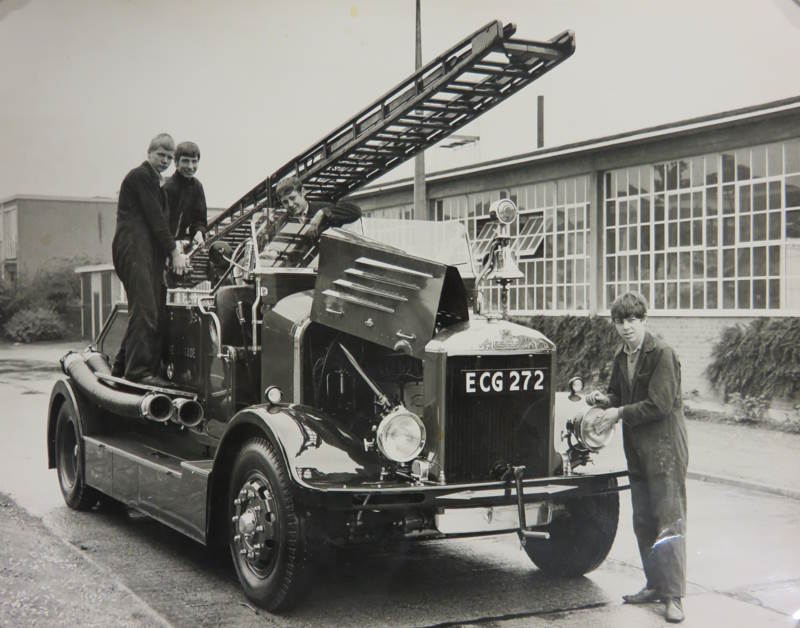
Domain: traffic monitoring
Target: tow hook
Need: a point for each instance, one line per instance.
(523, 533)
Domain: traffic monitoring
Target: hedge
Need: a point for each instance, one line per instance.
(760, 360)
(585, 345)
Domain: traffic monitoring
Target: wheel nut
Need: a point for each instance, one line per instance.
(235, 518)
(259, 528)
(237, 538)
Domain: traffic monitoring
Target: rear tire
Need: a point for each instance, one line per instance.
(70, 461)
(266, 535)
(581, 535)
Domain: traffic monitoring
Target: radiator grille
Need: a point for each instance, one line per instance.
(487, 431)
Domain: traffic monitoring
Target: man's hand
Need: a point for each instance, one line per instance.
(198, 238)
(606, 420)
(597, 398)
(315, 223)
(180, 262)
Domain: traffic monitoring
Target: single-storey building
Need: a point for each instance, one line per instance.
(701, 216)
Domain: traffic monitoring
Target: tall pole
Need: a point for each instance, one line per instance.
(420, 194)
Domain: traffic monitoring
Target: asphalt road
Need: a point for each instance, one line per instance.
(744, 560)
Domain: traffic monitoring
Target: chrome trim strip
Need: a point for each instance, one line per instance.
(366, 261)
(350, 299)
(344, 283)
(380, 278)
(297, 381)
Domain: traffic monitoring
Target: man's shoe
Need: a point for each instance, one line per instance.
(642, 597)
(673, 610)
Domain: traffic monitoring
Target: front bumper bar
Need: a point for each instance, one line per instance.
(397, 496)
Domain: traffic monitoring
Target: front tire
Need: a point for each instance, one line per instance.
(70, 462)
(266, 535)
(581, 536)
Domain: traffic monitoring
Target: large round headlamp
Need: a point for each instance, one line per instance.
(401, 435)
(583, 428)
(505, 209)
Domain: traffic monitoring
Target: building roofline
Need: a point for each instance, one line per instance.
(688, 125)
(47, 197)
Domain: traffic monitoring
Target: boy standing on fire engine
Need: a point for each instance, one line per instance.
(141, 243)
(188, 213)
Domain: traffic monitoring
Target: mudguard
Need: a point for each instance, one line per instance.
(65, 390)
(318, 453)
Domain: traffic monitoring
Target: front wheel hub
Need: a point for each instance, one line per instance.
(254, 522)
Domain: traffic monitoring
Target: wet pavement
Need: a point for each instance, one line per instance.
(728, 525)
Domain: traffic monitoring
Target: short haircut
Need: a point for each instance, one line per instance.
(630, 304)
(162, 140)
(187, 149)
(288, 184)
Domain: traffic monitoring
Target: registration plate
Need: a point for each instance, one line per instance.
(498, 381)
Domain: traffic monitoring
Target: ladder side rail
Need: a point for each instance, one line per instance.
(486, 36)
(521, 77)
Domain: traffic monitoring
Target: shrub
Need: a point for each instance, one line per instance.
(585, 344)
(749, 409)
(38, 323)
(7, 295)
(760, 360)
(55, 286)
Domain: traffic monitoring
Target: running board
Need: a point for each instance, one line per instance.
(165, 487)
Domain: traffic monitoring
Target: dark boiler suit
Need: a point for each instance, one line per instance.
(188, 212)
(141, 244)
(656, 448)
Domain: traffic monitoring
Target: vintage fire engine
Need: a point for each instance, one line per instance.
(361, 393)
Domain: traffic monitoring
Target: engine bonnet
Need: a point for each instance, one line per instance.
(383, 295)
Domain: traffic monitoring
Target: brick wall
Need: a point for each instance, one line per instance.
(693, 338)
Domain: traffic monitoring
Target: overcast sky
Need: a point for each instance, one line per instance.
(85, 84)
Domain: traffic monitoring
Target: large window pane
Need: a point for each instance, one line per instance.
(658, 211)
(792, 194)
(685, 293)
(774, 159)
(792, 150)
(759, 261)
(685, 231)
(759, 163)
(759, 227)
(744, 294)
(658, 242)
(712, 169)
(698, 266)
(759, 294)
(728, 263)
(729, 231)
(658, 296)
(774, 293)
(672, 295)
(711, 263)
(672, 265)
(728, 295)
(744, 228)
(660, 265)
(698, 291)
(711, 295)
(712, 237)
(728, 199)
(743, 263)
(728, 167)
(775, 225)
